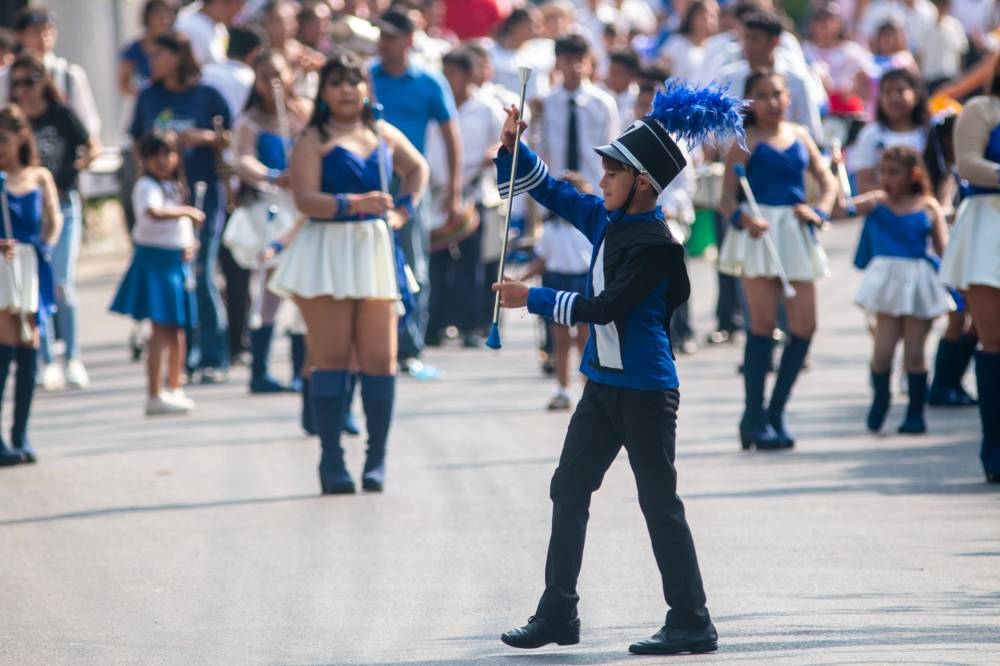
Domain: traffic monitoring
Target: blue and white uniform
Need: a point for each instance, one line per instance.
(36, 291)
(973, 253)
(155, 287)
(347, 257)
(900, 273)
(777, 178)
(636, 278)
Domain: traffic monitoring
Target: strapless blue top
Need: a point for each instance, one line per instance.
(886, 234)
(777, 177)
(271, 151)
(346, 172)
(26, 224)
(992, 153)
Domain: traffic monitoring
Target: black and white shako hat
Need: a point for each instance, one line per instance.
(680, 113)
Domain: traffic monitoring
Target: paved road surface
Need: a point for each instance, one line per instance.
(203, 541)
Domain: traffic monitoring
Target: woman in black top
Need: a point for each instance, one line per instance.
(65, 148)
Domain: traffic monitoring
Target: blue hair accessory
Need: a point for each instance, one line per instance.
(699, 115)
(324, 108)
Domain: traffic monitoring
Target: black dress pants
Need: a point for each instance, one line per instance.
(645, 422)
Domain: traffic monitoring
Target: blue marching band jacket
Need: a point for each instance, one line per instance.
(637, 278)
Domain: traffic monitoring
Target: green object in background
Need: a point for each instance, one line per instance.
(702, 233)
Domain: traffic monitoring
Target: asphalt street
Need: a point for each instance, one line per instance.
(203, 540)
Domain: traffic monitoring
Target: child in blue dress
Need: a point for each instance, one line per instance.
(780, 154)
(900, 285)
(157, 283)
(28, 196)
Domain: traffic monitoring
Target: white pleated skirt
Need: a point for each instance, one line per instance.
(801, 254)
(250, 229)
(973, 252)
(25, 264)
(343, 260)
(902, 287)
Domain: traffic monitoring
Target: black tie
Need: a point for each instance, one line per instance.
(572, 141)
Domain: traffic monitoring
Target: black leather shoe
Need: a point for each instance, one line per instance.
(671, 640)
(539, 632)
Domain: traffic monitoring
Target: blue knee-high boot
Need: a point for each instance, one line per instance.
(881, 400)
(754, 428)
(24, 392)
(377, 395)
(988, 383)
(298, 360)
(788, 371)
(950, 364)
(350, 424)
(328, 390)
(261, 380)
(7, 456)
(308, 422)
(913, 423)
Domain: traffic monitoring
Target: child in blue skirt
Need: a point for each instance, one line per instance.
(155, 287)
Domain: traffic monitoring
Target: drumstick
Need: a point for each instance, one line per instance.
(219, 127)
(845, 182)
(378, 114)
(256, 319)
(27, 335)
(282, 111)
(786, 286)
(493, 341)
(200, 188)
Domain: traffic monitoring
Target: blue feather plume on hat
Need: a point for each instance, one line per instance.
(699, 115)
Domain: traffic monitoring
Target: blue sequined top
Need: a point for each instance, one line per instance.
(271, 151)
(886, 234)
(346, 172)
(992, 153)
(26, 223)
(777, 177)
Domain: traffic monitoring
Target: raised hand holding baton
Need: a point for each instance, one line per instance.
(846, 194)
(256, 318)
(493, 341)
(378, 114)
(281, 109)
(16, 303)
(200, 188)
(786, 286)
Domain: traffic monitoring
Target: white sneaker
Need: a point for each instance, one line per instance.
(53, 378)
(76, 374)
(162, 404)
(178, 397)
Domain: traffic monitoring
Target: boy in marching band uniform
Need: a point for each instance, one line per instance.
(637, 278)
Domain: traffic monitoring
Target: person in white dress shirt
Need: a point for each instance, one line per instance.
(206, 25)
(457, 275)
(620, 83)
(762, 34)
(942, 47)
(510, 50)
(686, 52)
(576, 104)
(234, 78)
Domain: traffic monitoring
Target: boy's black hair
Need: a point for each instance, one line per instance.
(652, 75)
(460, 57)
(242, 42)
(573, 45)
(628, 58)
(767, 22)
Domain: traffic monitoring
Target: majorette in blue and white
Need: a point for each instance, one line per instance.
(777, 178)
(973, 253)
(900, 273)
